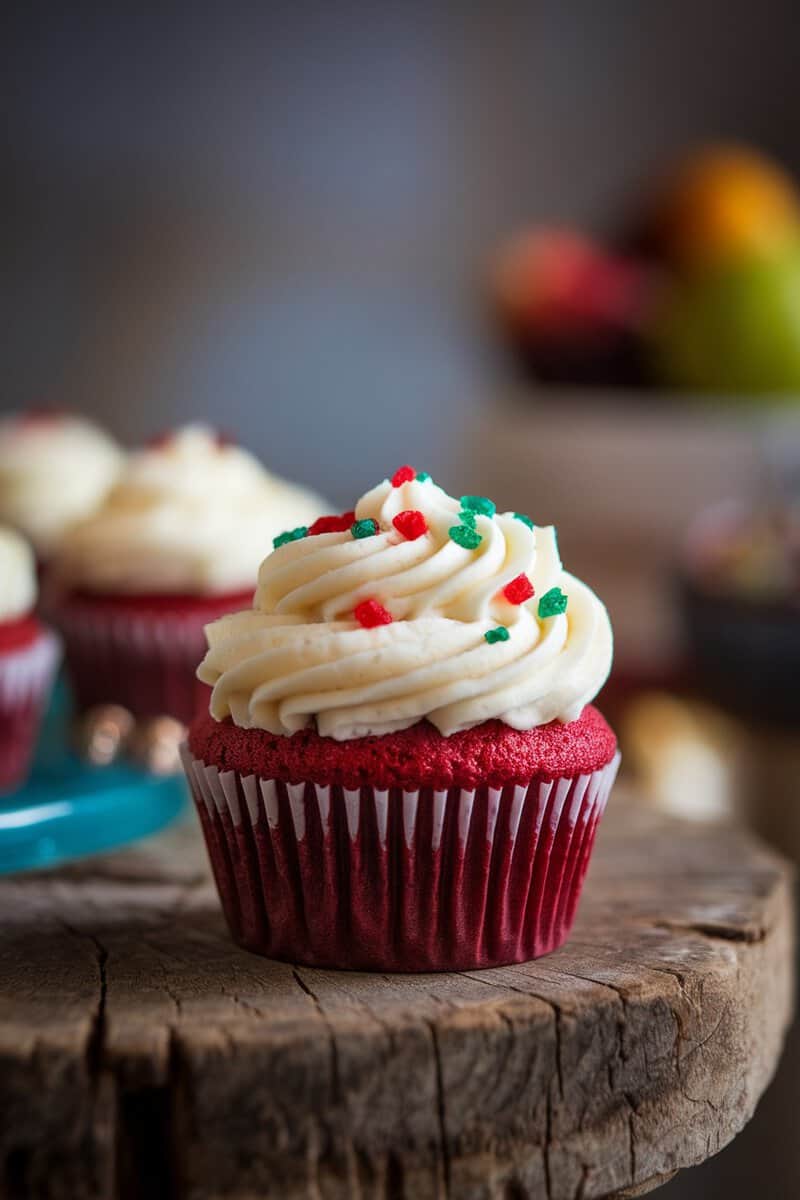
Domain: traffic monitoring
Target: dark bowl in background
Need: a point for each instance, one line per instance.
(744, 653)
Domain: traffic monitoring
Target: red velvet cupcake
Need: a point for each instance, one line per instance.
(401, 769)
(175, 545)
(29, 656)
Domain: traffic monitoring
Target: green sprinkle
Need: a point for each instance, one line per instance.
(365, 528)
(552, 603)
(479, 504)
(462, 535)
(525, 520)
(422, 476)
(290, 535)
(500, 634)
(467, 518)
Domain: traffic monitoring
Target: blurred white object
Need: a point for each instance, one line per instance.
(55, 468)
(689, 759)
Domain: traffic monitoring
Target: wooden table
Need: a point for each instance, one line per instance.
(143, 1055)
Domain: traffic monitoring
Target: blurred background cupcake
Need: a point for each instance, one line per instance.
(55, 468)
(29, 655)
(175, 545)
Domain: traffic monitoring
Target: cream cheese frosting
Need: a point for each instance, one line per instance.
(371, 629)
(17, 576)
(54, 470)
(192, 514)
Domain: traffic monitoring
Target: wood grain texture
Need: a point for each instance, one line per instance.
(143, 1054)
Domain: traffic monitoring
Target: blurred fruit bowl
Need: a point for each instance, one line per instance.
(701, 293)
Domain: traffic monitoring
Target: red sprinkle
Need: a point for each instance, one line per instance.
(411, 523)
(332, 524)
(403, 475)
(518, 590)
(159, 441)
(370, 613)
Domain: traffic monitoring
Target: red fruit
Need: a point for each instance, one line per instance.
(559, 284)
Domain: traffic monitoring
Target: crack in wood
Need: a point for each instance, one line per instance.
(530, 994)
(581, 1189)
(336, 1084)
(722, 930)
(440, 1108)
(95, 1049)
(95, 1042)
(548, 1142)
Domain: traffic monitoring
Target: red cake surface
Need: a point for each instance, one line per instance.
(16, 634)
(491, 753)
(163, 602)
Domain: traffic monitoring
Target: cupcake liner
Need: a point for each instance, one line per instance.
(394, 880)
(144, 660)
(26, 677)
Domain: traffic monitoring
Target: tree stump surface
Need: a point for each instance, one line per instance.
(142, 1054)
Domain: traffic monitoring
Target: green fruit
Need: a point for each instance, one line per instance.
(734, 328)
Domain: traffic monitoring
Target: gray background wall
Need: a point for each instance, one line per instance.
(277, 215)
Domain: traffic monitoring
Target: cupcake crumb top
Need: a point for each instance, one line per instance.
(490, 754)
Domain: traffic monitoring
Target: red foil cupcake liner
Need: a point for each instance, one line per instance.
(395, 880)
(26, 677)
(144, 659)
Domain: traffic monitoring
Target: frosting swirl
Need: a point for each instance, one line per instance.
(17, 576)
(447, 638)
(54, 469)
(192, 514)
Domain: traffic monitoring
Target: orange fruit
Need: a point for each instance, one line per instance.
(722, 203)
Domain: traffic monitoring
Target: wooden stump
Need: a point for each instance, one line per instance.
(143, 1054)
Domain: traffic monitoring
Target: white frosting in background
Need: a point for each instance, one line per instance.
(17, 576)
(54, 470)
(300, 656)
(191, 515)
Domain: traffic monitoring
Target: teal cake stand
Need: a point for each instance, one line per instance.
(68, 809)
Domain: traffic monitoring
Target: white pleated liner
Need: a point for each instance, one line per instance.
(219, 791)
(251, 825)
(26, 675)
